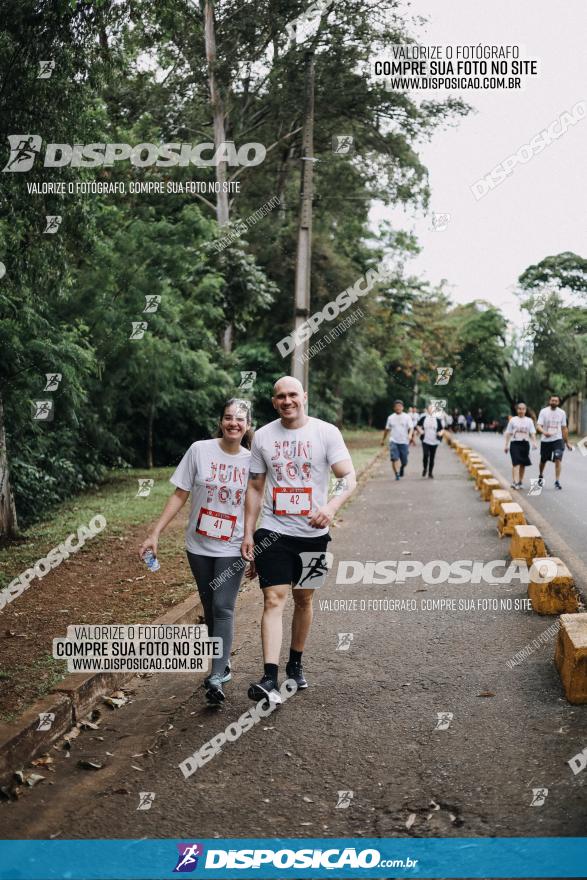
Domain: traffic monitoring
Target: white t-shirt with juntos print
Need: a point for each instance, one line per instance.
(217, 482)
(297, 462)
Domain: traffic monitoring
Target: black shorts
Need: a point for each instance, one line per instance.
(520, 453)
(552, 450)
(279, 561)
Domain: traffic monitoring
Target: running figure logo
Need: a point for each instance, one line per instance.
(344, 641)
(444, 719)
(437, 406)
(344, 799)
(187, 861)
(535, 487)
(53, 380)
(152, 303)
(138, 329)
(539, 795)
(53, 222)
(46, 68)
(42, 410)
(343, 144)
(146, 799)
(440, 221)
(315, 567)
(145, 487)
(23, 151)
(247, 380)
(46, 720)
(582, 446)
(443, 375)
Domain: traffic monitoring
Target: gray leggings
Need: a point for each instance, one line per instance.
(218, 596)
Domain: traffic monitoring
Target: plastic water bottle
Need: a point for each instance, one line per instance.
(151, 561)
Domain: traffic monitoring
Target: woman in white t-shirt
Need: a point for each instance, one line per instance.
(518, 434)
(215, 472)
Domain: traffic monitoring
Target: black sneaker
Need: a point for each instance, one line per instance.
(266, 689)
(401, 470)
(424, 472)
(214, 692)
(540, 481)
(296, 671)
(557, 485)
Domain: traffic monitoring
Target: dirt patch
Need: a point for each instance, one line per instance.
(103, 583)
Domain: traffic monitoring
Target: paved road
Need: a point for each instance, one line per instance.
(369, 722)
(566, 511)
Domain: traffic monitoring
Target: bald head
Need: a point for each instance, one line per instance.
(289, 399)
(286, 383)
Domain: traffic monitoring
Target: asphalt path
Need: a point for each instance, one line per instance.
(420, 720)
(566, 510)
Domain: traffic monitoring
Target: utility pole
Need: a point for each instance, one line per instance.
(299, 363)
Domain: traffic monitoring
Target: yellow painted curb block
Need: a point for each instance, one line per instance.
(499, 497)
(489, 485)
(559, 595)
(480, 475)
(571, 656)
(511, 515)
(527, 543)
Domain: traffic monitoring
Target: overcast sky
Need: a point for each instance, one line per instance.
(538, 210)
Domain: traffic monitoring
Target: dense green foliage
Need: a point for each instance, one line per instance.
(134, 71)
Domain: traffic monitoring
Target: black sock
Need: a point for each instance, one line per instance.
(295, 657)
(271, 669)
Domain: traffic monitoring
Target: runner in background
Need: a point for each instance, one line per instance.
(215, 472)
(399, 425)
(291, 461)
(519, 432)
(462, 421)
(552, 424)
(430, 429)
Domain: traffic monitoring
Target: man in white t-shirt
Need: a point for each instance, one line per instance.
(291, 461)
(552, 424)
(401, 428)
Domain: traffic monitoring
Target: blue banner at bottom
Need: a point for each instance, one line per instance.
(526, 857)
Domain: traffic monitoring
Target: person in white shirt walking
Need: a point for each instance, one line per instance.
(552, 424)
(518, 435)
(430, 429)
(215, 473)
(291, 461)
(399, 425)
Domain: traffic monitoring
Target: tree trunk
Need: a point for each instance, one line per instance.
(151, 419)
(8, 522)
(218, 118)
